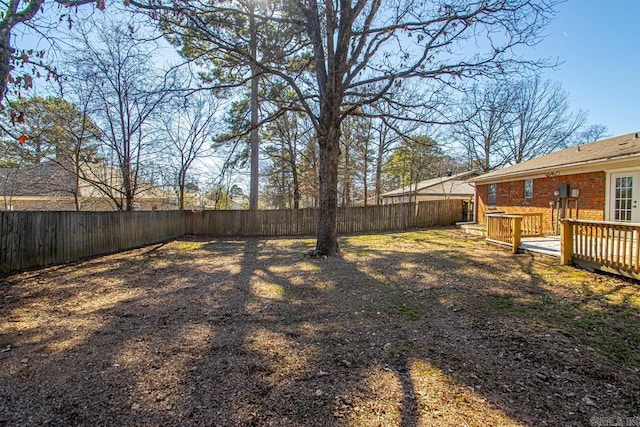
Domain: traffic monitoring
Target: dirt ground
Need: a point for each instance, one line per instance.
(423, 328)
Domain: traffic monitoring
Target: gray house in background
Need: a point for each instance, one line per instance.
(441, 188)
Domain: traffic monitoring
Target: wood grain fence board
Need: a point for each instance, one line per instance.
(32, 239)
(438, 213)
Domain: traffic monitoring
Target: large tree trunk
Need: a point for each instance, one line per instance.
(346, 184)
(330, 70)
(329, 143)
(76, 178)
(364, 172)
(253, 137)
(293, 163)
(379, 159)
(127, 186)
(182, 180)
(296, 188)
(181, 198)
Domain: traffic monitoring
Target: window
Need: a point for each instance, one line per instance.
(493, 190)
(528, 188)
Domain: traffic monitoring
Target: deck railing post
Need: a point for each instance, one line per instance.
(566, 242)
(489, 222)
(516, 229)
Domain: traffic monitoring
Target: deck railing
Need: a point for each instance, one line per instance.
(531, 224)
(604, 245)
(511, 228)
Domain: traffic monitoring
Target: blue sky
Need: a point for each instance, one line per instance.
(598, 42)
(598, 45)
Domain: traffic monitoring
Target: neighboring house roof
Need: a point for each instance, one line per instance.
(51, 179)
(454, 185)
(45, 178)
(599, 153)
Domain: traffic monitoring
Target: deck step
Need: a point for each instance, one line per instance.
(472, 228)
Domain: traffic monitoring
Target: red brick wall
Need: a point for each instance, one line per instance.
(510, 197)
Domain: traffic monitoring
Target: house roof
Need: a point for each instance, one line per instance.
(621, 147)
(51, 179)
(444, 185)
(45, 178)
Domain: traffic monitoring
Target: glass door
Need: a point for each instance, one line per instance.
(624, 197)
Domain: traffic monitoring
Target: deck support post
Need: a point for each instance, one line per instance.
(566, 242)
(516, 230)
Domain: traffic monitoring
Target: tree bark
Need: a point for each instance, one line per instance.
(6, 53)
(296, 181)
(181, 198)
(379, 159)
(253, 185)
(346, 182)
(365, 175)
(328, 140)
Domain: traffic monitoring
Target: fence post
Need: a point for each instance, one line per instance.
(566, 242)
(516, 229)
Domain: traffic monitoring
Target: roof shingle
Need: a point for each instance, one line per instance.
(619, 147)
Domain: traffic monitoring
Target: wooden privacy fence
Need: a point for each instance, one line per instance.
(608, 246)
(510, 229)
(32, 239)
(301, 222)
(288, 222)
(431, 213)
(367, 219)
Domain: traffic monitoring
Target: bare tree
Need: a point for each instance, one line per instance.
(385, 140)
(355, 161)
(127, 95)
(188, 129)
(389, 129)
(308, 176)
(363, 52)
(232, 39)
(285, 139)
(511, 121)
(593, 133)
(484, 120)
(542, 121)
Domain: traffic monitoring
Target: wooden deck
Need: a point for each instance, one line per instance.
(612, 247)
(609, 246)
(548, 245)
(545, 245)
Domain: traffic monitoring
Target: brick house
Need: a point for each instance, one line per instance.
(596, 181)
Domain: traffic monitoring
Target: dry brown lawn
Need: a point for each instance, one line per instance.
(427, 328)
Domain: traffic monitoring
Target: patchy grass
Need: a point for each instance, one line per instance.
(191, 246)
(421, 328)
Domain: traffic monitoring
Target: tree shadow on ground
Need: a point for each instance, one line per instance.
(405, 329)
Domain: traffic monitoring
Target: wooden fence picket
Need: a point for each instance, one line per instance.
(33, 239)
